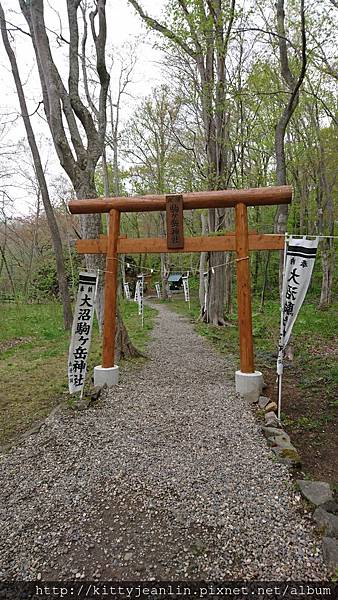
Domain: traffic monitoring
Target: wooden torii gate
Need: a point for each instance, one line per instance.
(241, 241)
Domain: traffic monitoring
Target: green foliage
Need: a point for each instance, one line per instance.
(99, 184)
(44, 284)
(158, 162)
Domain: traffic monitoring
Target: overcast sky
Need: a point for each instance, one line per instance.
(123, 26)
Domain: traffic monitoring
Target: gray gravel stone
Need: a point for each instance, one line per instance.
(317, 492)
(169, 468)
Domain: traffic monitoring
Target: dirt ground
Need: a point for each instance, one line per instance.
(311, 421)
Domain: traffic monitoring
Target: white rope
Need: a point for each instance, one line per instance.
(152, 270)
(305, 235)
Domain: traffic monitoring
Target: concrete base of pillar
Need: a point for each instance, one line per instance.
(109, 376)
(249, 385)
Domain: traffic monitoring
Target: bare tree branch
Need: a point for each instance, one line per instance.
(83, 62)
(154, 24)
(100, 45)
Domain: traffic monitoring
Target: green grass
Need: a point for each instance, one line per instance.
(33, 373)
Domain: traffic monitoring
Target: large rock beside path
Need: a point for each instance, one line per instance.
(326, 520)
(330, 552)
(317, 492)
(263, 401)
(330, 506)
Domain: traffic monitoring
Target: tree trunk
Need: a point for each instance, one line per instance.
(294, 85)
(228, 283)
(325, 223)
(328, 262)
(203, 258)
(91, 226)
(265, 280)
(55, 234)
(210, 27)
(216, 279)
(105, 174)
(65, 110)
(165, 272)
(216, 289)
(123, 346)
(229, 264)
(4, 261)
(282, 212)
(33, 247)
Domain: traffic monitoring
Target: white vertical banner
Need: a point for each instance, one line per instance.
(126, 290)
(206, 281)
(186, 290)
(137, 288)
(158, 289)
(298, 266)
(140, 281)
(81, 331)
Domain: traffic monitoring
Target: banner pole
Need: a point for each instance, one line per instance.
(142, 300)
(188, 289)
(279, 397)
(279, 377)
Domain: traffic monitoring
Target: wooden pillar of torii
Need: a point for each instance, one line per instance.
(241, 241)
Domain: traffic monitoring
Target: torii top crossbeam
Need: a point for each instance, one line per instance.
(214, 199)
(240, 241)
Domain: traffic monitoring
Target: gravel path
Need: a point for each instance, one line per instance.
(168, 478)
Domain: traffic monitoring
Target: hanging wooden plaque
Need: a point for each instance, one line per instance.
(174, 210)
